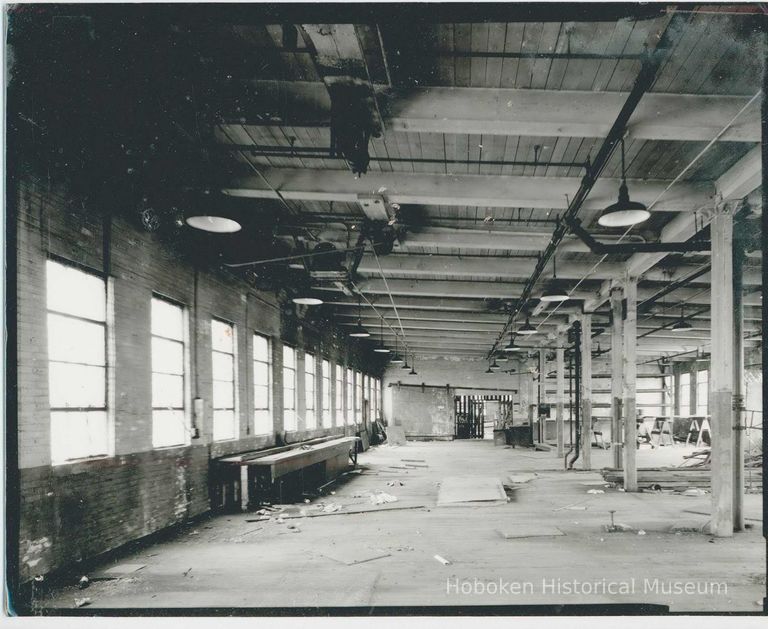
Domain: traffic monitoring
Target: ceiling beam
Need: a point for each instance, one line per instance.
(518, 267)
(550, 193)
(527, 112)
(443, 288)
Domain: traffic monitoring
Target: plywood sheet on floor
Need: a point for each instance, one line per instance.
(521, 531)
(457, 490)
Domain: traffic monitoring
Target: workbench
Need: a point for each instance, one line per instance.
(266, 472)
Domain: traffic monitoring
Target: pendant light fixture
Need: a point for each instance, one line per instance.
(494, 366)
(489, 370)
(413, 366)
(527, 328)
(554, 292)
(405, 364)
(214, 224)
(624, 213)
(307, 301)
(681, 324)
(396, 359)
(359, 332)
(380, 347)
(511, 347)
(501, 357)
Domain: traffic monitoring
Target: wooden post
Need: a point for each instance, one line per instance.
(617, 384)
(721, 373)
(542, 398)
(630, 384)
(586, 391)
(560, 397)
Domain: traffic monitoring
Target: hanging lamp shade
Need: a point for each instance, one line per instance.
(527, 328)
(681, 324)
(214, 224)
(489, 370)
(511, 347)
(359, 332)
(494, 366)
(501, 357)
(405, 364)
(380, 347)
(306, 300)
(396, 359)
(555, 292)
(625, 212)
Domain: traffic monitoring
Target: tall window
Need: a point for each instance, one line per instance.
(339, 395)
(358, 397)
(262, 376)
(223, 345)
(667, 396)
(685, 394)
(350, 412)
(702, 392)
(379, 410)
(169, 421)
(326, 394)
(289, 388)
(77, 362)
(309, 390)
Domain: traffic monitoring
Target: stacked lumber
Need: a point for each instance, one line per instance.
(669, 477)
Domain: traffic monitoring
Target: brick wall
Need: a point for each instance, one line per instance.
(74, 511)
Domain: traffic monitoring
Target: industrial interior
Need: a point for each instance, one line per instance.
(346, 307)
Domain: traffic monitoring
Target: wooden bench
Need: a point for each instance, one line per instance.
(327, 458)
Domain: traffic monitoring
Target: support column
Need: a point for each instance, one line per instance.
(560, 396)
(586, 391)
(629, 364)
(542, 391)
(721, 373)
(617, 380)
(738, 379)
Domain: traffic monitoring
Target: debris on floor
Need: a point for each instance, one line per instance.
(115, 572)
(82, 602)
(456, 490)
(595, 491)
(641, 532)
(521, 531)
(84, 582)
(442, 560)
(382, 498)
(352, 556)
(519, 479)
(331, 507)
(694, 491)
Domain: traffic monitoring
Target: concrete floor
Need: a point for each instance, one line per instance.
(226, 561)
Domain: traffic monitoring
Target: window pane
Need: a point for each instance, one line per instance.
(223, 367)
(261, 373)
(289, 357)
(167, 356)
(75, 292)
(260, 397)
(167, 319)
(75, 341)
(260, 348)
(223, 395)
(169, 428)
(222, 336)
(289, 419)
(76, 435)
(224, 425)
(167, 391)
(262, 422)
(289, 378)
(76, 385)
(289, 398)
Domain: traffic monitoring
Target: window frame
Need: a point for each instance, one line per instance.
(294, 401)
(235, 419)
(325, 393)
(685, 394)
(339, 394)
(185, 386)
(349, 414)
(270, 423)
(106, 326)
(310, 376)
